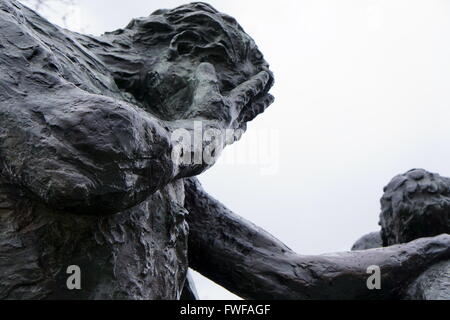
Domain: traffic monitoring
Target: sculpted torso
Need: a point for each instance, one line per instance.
(139, 253)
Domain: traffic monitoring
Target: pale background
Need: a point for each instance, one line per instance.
(362, 94)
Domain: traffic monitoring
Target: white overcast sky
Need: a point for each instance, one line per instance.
(362, 94)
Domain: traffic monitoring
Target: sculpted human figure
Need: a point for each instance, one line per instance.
(92, 176)
(414, 205)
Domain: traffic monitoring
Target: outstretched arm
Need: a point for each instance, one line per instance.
(254, 265)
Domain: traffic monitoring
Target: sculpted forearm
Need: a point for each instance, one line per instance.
(82, 152)
(251, 263)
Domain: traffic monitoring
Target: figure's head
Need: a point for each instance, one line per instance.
(172, 43)
(415, 205)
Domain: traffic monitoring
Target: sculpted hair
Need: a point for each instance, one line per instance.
(415, 205)
(176, 41)
(196, 29)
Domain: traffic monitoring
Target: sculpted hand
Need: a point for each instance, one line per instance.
(231, 110)
(213, 113)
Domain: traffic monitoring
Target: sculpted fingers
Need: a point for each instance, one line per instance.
(206, 79)
(248, 90)
(439, 245)
(250, 112)
(242, 104)
(207, 102)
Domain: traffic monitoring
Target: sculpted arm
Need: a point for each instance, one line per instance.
(253, 264)
(83, 152)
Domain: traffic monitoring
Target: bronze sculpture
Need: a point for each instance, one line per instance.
(89, 176)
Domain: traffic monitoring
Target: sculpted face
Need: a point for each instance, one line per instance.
(175, 42)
